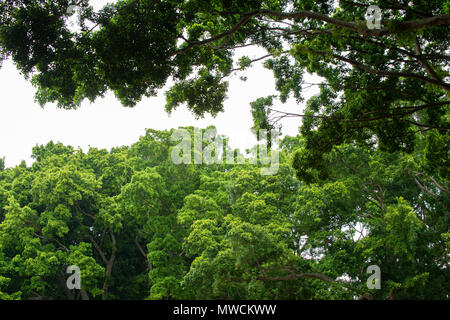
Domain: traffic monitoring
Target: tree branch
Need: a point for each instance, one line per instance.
(425, 63)
(149, 264)
(397, 74)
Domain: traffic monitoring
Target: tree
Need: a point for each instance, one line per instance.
(378, 208)
(140, 226)
(366, 182)
(113, 214)
(379, 85)
(256, 237)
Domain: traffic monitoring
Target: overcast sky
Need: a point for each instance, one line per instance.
(105, 123)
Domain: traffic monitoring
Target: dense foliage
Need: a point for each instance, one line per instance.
(140, 226)
(379, 86)
(365, 183)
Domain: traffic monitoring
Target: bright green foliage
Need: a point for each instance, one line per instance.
(366, 182)
(141, 227)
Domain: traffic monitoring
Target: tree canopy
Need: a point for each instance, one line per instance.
(139, 226)
(380, 86)
(366, 181)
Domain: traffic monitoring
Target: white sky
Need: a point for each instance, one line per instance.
(106, 123)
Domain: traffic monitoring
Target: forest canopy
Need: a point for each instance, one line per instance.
(139, 226)
(366, 181)
(380, 86)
